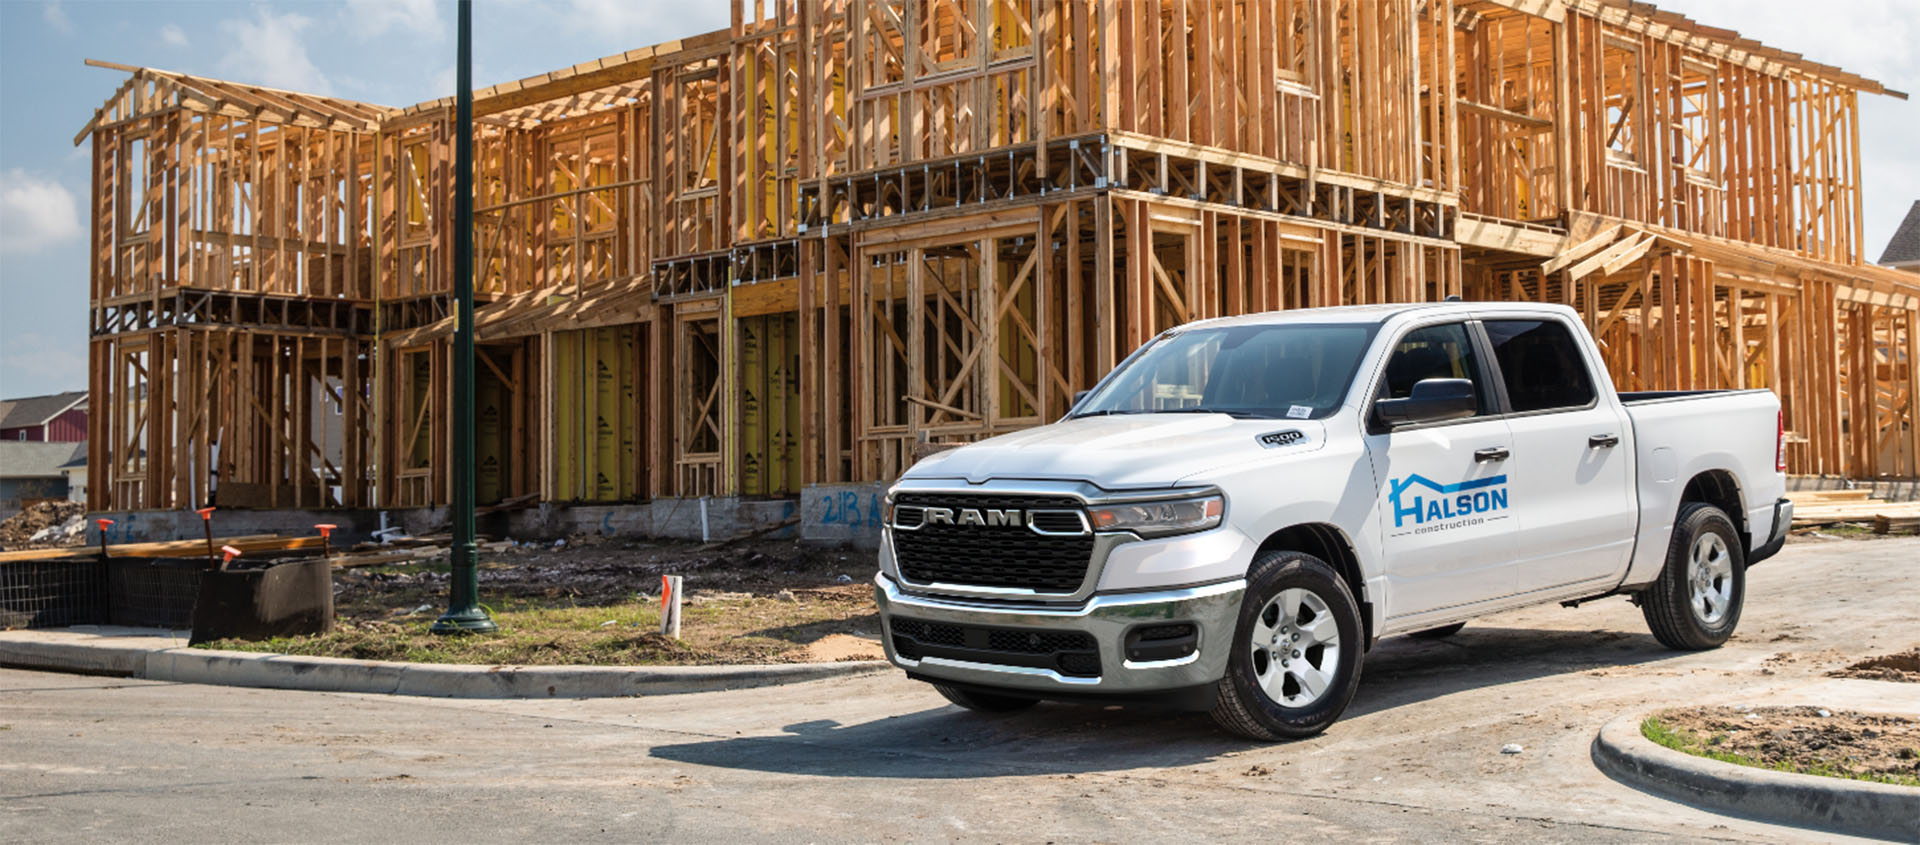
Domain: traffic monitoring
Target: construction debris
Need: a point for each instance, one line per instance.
(45, 524)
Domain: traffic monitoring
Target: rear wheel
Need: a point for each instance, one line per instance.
(1296, 650)
(1441, 632)
(1697, 601)
(985, 702)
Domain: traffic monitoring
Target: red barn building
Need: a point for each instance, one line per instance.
(60, 418)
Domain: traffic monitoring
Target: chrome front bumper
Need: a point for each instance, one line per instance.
(1213, 609)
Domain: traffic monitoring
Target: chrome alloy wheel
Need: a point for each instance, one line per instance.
(1296, 648)
(1710, 578)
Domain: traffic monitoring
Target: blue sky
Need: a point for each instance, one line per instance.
(399, 52)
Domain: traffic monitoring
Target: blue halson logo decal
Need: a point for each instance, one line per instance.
(1479, 497)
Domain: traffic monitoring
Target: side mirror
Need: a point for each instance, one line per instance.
(1433, 400)
(1079, 395)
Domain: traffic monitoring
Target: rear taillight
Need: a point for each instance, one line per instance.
(1780, 442)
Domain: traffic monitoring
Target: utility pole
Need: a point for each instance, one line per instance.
(464, 614)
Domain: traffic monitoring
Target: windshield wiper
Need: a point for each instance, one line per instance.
(1239, 415)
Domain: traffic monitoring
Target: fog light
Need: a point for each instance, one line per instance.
(1162, 642)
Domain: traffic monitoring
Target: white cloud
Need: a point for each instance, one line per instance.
(620, 18)
(56, 17)
(374, 17)
(173, 35)
(267, 50)
(36, 363)
(35, 213)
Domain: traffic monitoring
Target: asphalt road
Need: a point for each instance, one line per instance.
(85, 759)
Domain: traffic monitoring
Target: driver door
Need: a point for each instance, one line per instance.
(1446, 534)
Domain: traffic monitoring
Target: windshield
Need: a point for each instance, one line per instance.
(1282, 372)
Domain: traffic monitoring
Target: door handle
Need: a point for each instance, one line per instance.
(1603, 441)
(1497, 453)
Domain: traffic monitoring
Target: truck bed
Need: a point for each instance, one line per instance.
(1680, 434)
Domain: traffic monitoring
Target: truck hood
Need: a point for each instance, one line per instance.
(1120, 452)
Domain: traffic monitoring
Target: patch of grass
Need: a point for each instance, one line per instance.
(1690, 742)
(728, 628)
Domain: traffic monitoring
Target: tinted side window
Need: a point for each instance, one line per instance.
(1432, 352)
(1540, 364)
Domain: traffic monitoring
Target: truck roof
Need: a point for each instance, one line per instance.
(1367, 313)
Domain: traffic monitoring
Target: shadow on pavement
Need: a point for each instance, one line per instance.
(947, 742)
(1060, 738)
(1408, 670)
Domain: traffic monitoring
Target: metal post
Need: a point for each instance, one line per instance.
(464, 614)
(206, 521)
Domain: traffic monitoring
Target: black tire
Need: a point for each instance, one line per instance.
(1243, 705)
(1669, 605)
(985, 702)
(1439, 633)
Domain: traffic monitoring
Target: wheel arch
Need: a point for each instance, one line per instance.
(1327, 542)
(1721, 489)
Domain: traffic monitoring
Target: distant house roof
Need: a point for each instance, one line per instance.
(28, 459)
(38, 410)
(1904, 248)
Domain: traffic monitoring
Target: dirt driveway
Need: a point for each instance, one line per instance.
(879, 757)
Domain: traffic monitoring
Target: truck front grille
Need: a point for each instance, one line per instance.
(1008, 554)
(1070, 653)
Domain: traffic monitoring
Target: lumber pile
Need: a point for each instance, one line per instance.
(250, 544)
(1825, 507)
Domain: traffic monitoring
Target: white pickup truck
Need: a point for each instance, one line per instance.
(1233, 516)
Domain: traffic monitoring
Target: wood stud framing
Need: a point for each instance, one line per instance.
(792, 251)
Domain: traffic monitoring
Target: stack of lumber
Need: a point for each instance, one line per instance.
(1823, 507)
(248, 545)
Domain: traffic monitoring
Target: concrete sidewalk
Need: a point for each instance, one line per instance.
(160, 655)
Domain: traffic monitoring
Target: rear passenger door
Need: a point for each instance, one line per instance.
(1445, 535)
(1571, 470)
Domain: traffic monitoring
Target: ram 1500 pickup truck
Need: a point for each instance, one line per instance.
(1233, 516)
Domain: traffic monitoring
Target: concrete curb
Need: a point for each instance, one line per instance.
(1859, 808)
(331, 674)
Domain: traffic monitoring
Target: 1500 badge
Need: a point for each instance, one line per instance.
(1277, 439)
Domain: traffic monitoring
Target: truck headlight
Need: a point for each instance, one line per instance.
(1160, 518)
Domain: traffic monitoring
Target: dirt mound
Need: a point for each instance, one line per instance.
(1837, 743)
(1904, 666)
(17, 531)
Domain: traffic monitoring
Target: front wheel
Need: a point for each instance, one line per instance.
(1696, 603)
(1296, 650)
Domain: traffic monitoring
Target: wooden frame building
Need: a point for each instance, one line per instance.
(790, 252)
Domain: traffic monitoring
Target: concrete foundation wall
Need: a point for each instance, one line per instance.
(157, 526)
(842, 515)
(834, 515)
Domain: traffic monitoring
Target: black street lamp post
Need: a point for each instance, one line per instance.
(464, 614)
